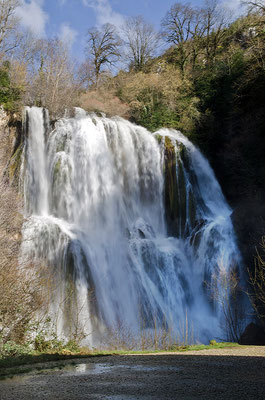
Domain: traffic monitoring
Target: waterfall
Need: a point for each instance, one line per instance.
(133, 225)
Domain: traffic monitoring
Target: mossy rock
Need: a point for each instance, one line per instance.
(61, 144)
(180, 205)
(169, 146)
(171, 187)
(159, 138)
(15, 164)
(56, 169)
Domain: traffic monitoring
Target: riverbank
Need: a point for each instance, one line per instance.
(10, 365)
(227, 373)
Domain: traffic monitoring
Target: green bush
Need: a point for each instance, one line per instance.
(8, 95)
(213, 342)
(11, 349)
(72, 346)
(42, 344)
(158, 117)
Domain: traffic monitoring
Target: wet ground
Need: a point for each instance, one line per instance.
(221, 374)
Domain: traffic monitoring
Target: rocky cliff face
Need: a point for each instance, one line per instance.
(240, 168)
(12, 146)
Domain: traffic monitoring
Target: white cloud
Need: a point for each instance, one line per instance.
(104, 12)
(67, 34)
(32, 16)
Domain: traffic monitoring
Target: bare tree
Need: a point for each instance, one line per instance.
(28, 48)
(141, 41)
(53, 83)
(195, 31)
(22, 67)
(198, 30)
(8, 25)
(255, 5)
(214, 21)
(86, 74)
(177, 29)
(103, 47)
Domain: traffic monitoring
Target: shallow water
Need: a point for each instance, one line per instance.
(87, 369)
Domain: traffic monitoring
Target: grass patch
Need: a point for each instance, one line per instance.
(10, 366)
(35, 358)
(179, 348)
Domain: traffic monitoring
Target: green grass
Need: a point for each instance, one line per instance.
(9, 366)
(34, 358)
(179, 348)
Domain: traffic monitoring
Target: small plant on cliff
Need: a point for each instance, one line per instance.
(9, 94)
(257, 281)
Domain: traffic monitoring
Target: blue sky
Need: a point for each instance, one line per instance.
(70, 19)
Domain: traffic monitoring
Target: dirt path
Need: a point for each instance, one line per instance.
(237, 373)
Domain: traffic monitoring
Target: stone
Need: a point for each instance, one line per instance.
(253, 335)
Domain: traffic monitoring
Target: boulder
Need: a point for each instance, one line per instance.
(253, 335)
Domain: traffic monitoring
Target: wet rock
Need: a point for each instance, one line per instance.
(141, 234)
(253, 335)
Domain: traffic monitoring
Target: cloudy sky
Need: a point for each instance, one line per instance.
(70, 19)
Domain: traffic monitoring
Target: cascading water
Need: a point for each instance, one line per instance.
(102, 196)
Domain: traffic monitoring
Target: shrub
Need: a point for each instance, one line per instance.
(11, 349)
(9, 95)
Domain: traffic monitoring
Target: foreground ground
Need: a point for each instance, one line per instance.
(230, 373)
